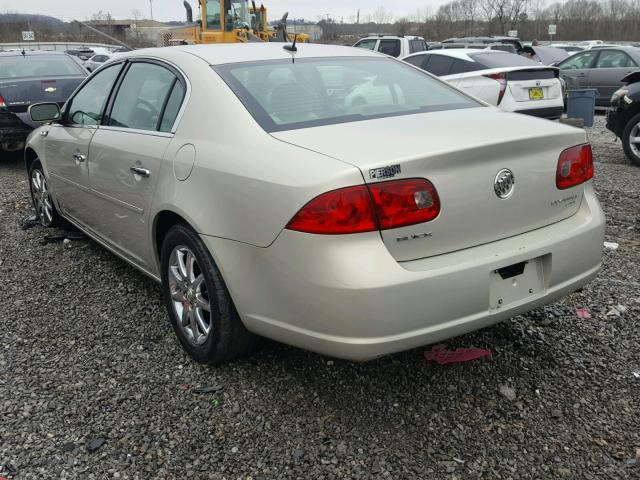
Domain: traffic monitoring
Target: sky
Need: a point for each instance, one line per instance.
(165, 10)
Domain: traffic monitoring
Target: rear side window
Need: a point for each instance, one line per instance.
(174, 102)
(368, 44)
(463, 66)
(614, 59)
(416, 60)
(417, 46)
(390, 47)
(498, 59)
(282, 95)
(141, 97)
(439, 65)
(87, 107)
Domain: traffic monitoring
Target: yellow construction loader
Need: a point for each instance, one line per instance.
(226, 21)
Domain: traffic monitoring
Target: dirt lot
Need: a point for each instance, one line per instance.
(94, 385)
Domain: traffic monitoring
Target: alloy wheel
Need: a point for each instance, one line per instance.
(634, 140)
(41, 198)
(189, 296)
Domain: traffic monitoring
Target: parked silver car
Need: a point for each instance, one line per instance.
(241, 178)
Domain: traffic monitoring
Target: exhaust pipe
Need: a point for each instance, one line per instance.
(187, 7)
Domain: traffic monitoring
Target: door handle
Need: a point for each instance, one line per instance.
(79, 157)
(143, 172)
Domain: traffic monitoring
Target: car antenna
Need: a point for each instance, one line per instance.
(292, 47)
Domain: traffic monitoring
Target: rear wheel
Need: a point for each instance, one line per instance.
(631, 139)
(199, 305)
(46, 211)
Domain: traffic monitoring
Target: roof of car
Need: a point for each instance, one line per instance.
(462, 53)
(250, 52)
(408, 37)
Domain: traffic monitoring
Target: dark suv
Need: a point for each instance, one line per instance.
(623, 117)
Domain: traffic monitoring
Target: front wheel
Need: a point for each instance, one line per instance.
(46, 211)
(199, 305)
(631, 140)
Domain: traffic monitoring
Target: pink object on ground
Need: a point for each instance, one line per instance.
(583, 313)
(442, 356)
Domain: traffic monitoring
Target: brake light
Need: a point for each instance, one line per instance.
(366, 208)
(348, 210)
(501, 78)
(2, 102)
(575, 166)
(404, 202)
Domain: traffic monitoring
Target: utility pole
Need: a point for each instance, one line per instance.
(151, 5)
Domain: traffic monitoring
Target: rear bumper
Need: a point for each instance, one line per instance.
(10, 135)
(345, 296)
(550, 113)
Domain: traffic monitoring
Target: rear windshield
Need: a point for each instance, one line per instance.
(502, 59)
(19, 66)
(282, 95)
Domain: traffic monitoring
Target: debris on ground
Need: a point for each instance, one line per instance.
(636, 374)
(508, 392)
(611, 245)
(95, 444)
(61, 237)
(29, 221)
(211, 389)
(616, 311)
(583, 313)
(443, 356)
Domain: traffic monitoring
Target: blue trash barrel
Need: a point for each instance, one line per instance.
(581, 103)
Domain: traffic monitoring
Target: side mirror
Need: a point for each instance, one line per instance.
(44, 112)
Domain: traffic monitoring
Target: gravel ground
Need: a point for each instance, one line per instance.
(93, 383)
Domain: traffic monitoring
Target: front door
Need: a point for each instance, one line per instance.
(611, 66)
(67, 145)
(127, 154)
(575, 69)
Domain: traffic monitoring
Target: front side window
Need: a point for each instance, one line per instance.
(87, 107)
(38, 66)
(141, 97)
(614, 59)
(390, 47)
(579, 61)
(282, 95)
(368, 44)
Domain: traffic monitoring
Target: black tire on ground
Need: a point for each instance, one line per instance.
(37, 198)
(626, 133)
(228, 338)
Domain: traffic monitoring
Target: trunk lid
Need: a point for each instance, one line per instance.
(18, 94)
(460, 152)
(521, 81)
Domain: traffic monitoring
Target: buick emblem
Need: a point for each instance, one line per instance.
(504, 183)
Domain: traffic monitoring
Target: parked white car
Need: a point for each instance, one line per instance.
(266, 206)
(96, 61)
(394, 46)
(512, 82)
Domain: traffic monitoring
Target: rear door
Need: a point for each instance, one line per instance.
(390, 47)
(127, 152)
(609, 69)
(575, 69)
(67, 144)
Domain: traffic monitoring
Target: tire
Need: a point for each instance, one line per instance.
(43, 204)
(632, 128)
(188, 286)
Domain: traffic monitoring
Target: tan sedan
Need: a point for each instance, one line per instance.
(266, 201)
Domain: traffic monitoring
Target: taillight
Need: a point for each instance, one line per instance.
(2, 102)
(348, 210)
(405, 202)
(575, 166)
(365, 208)
(501, 78)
